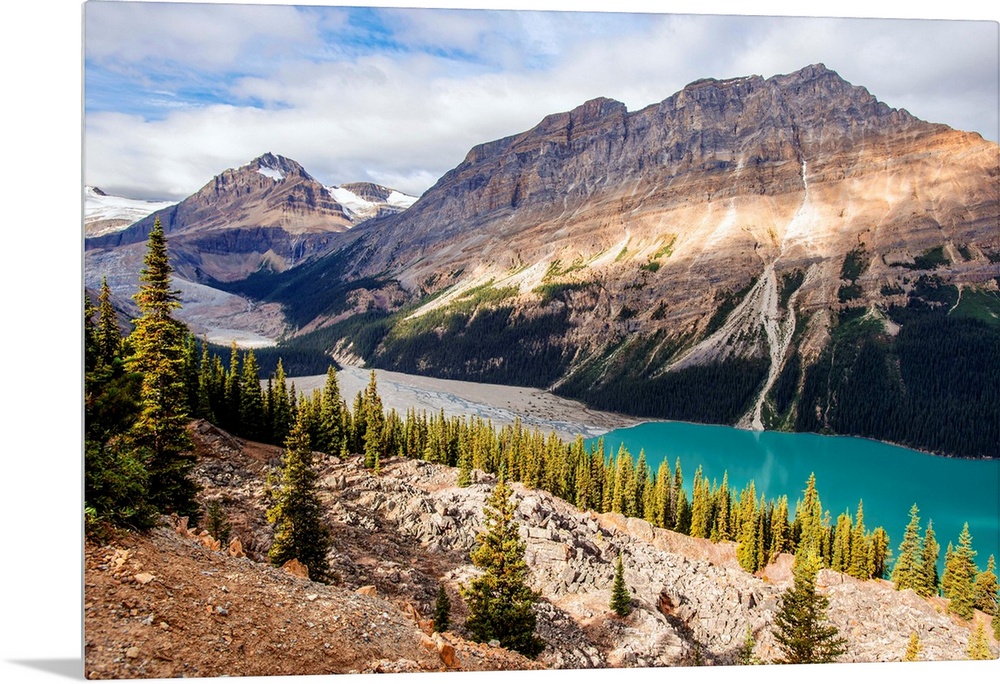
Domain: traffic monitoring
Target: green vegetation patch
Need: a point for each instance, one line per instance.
(930, 259)
(666, 249)
(926, 261)
(854, 265)
(557, 270)
(652, 266)
(935, 386)
(727, 303)
(717, 393)
(553, 291)
(790, 282)
(980, 305)
(848, 292)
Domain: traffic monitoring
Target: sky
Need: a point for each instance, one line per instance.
(177, 93)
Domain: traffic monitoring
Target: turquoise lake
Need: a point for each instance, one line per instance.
(888, 479)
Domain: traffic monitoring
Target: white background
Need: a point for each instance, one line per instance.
(40, 532)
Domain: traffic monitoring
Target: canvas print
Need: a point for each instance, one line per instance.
(424, 340)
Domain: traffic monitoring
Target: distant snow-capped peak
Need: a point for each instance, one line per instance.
(104, 213)
(361, 208)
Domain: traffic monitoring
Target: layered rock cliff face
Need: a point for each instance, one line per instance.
(737, 219)
(716, 183)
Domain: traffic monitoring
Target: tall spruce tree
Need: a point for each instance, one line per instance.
(158, 356)
(621, 601)
(331, 415)
(860, 565)
(906, 573)
(374, 442)
(979, 645)
(960, 576)
(282, 416)
(252, 399)
(442, 610)
(809, 522)
(912, 649)
(109, 336)
(986, 588)
(878, 553)
(930, 552)
(800, 626)
(230, 415)
(297, 514)
(500, 601)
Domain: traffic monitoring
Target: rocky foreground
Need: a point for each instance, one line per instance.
(177, 603)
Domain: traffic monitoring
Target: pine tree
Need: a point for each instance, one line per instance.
(912, 648)
(701, 506)
(878, 553)
(282, 417)
(621, 601)
(842, 543)
(331, 415)
(745, 654)
(158, 355)
(906, 572)
(859, 565)
(116, 490)
(986, 588)
(116, 480)
(500, 602)
(800, 629)
(252, 399)
(979, 646)
(442, 610)
(464, 469)
(929, 581)
(109, 336)
(960, 571)
(809, 522)
(374, 424)
(214, 520)
(91, 348)
(230, 416)
(748, 550)
(203, 408)
(297, 514)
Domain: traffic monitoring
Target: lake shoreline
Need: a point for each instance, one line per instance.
(501, 404)
(535, 407)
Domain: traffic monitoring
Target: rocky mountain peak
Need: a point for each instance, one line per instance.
(370, 192)
(276, 167)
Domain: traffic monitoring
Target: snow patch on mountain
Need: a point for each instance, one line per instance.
(103, 213)
(360, 208)
(273, 174)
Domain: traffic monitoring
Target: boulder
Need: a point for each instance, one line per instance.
(296, 569)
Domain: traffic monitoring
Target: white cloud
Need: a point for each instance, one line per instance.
(202, 36)
(404, 117)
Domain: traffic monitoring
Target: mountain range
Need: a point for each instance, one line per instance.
(784, 253)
